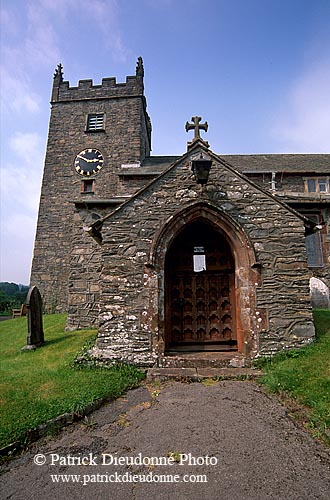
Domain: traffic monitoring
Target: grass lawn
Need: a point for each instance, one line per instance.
(304, 375)
(38, 385)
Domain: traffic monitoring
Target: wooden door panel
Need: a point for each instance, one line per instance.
(200, 305)
(201, 311)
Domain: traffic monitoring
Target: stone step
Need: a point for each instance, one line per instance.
(205, 360)
(198, 374)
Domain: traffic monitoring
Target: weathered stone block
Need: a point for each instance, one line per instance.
(303, 330)
(78, 298)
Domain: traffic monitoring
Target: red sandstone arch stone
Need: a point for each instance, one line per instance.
(247, 274)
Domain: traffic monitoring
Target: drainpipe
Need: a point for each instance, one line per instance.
(273, 183)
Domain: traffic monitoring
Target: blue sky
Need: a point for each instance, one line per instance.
(257, 70)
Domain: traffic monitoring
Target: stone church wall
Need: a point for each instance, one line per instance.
(84, 273)
(126, 122)
(283, 305)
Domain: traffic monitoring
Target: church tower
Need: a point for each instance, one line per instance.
(94, 131)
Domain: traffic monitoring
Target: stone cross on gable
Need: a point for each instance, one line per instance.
(196, 126)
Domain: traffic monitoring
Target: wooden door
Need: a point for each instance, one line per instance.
(200, 306)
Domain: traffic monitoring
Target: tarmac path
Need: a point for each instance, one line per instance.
(229, 440)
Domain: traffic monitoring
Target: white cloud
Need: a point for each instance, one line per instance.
(42, 43)
(304, 126)
(101, 14)
(20, 193)
(105, 13)
(8, 21)
(16, 93)
(27, 146)
(21, 227)
(34, 41)
(17, 236)
(20, 180)
(24, 57)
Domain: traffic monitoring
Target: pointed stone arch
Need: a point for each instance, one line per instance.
(247, 275)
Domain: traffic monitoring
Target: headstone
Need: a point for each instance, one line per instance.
(319, 294)
(35, 336)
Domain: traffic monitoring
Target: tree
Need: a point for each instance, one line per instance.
(12, 296)
(9, 288)
(5, 302)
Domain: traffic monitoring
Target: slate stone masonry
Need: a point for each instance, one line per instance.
(282, 315)
(117, 280)
(126, 122)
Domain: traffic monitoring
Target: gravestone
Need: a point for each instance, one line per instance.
(35, 336)
(319, 294)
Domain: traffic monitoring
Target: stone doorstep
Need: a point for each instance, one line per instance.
(198, 374)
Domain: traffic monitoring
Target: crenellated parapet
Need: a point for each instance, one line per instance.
(109, 87)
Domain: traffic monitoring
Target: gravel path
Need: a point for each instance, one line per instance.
(228, 440)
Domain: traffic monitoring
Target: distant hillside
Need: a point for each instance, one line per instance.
(12, 288)
(12, 296)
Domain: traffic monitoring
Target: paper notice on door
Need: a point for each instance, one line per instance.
(199, 263)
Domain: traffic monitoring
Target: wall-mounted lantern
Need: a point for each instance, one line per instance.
(201, 169)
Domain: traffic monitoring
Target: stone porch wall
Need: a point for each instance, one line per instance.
(283, 302)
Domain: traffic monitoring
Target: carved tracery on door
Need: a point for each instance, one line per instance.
(200, 291)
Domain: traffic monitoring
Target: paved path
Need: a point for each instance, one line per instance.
(239, 438)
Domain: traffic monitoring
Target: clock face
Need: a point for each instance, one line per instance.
(88, 162)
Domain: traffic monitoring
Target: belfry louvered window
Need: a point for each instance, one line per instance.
(95, 122)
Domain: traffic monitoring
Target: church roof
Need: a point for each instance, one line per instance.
(282, 163)
(249, 164)
(167, 163)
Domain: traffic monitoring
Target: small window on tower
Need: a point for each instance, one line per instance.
(95, 122)
(87, 186)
